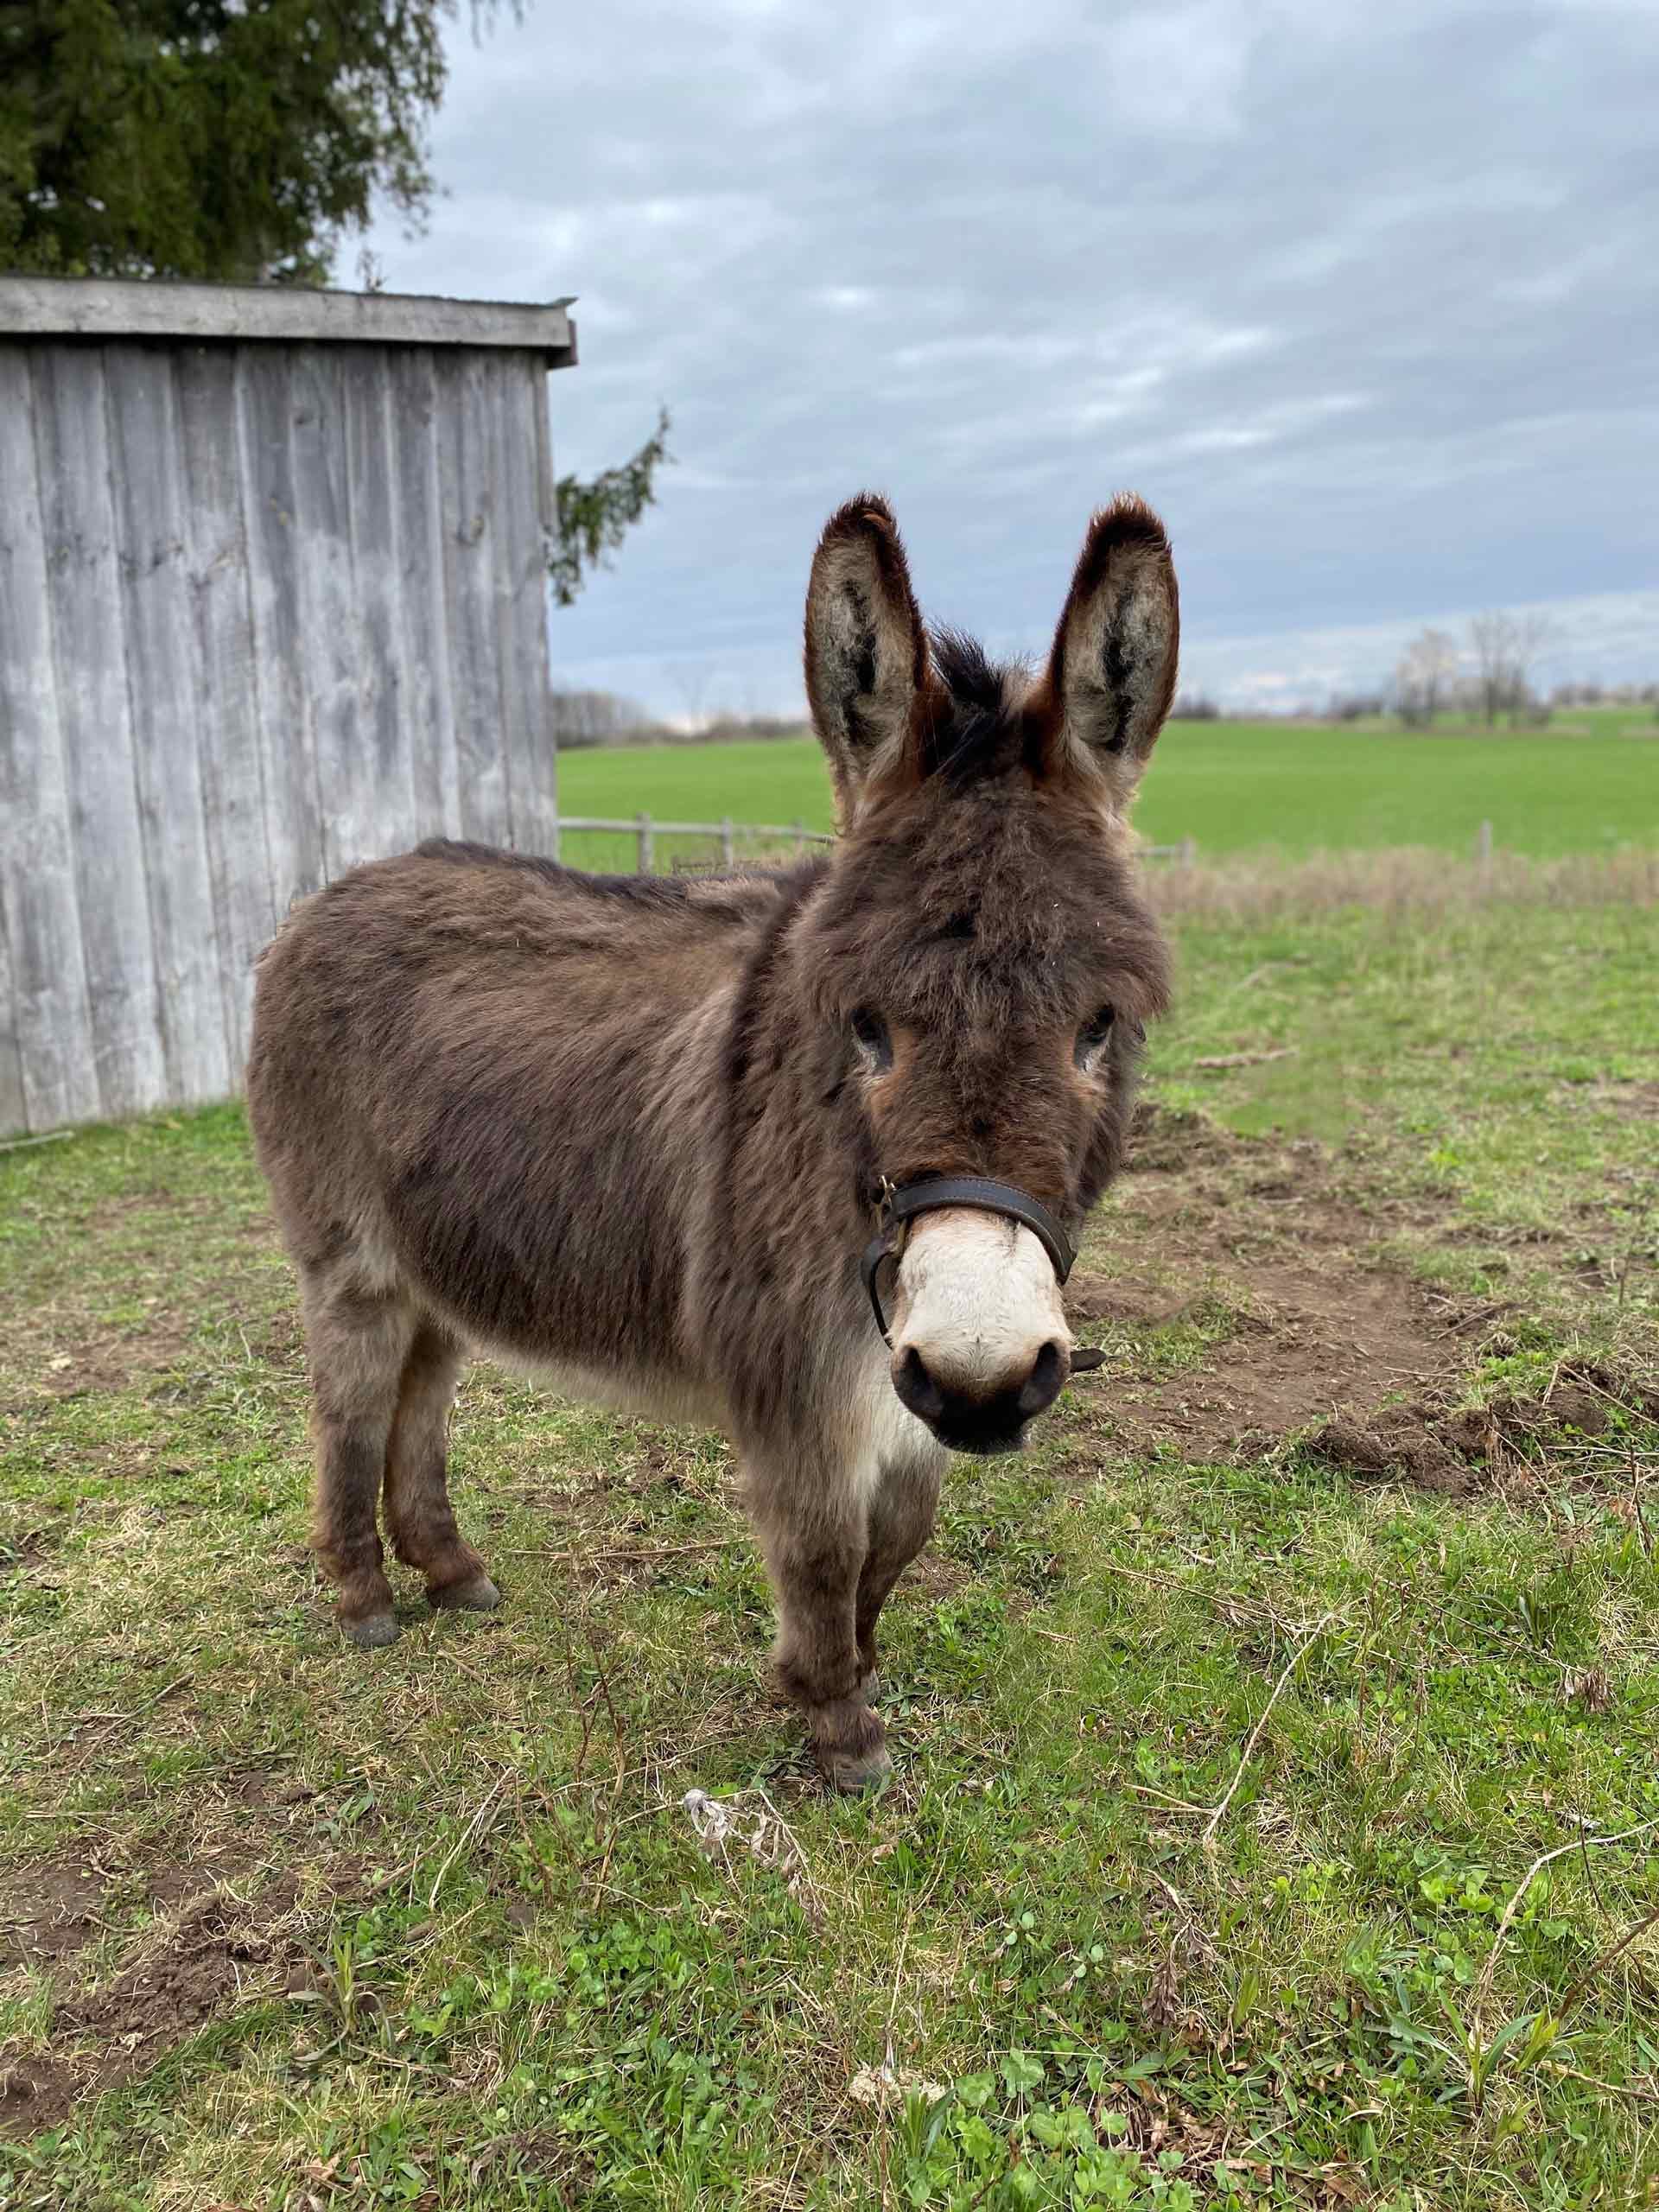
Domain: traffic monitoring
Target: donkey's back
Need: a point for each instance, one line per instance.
(440, 1038)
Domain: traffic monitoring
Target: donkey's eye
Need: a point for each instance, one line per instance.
(870, 1035)
(1091, 1037)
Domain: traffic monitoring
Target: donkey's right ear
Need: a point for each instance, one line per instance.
(866, 648)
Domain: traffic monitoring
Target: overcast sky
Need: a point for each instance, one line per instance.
(1363, 298)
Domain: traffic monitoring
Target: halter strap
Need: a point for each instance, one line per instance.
(903, 1202)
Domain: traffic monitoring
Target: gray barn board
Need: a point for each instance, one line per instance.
(272, 602)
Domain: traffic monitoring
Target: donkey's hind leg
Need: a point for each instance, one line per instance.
(358, 1336)
(419, 1519)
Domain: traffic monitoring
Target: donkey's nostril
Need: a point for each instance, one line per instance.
(1045, 1381)
(916, 1388)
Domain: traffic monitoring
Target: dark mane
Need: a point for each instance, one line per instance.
(979, 734)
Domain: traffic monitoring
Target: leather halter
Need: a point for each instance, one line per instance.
(901, 1203)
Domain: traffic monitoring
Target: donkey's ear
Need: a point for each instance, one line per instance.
(866, 647)
(1112, 672)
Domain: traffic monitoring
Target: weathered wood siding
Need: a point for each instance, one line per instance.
(266, 610)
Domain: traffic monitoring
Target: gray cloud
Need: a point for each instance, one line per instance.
(1361, 299)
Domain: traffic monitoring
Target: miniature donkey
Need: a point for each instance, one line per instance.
(636, 1134)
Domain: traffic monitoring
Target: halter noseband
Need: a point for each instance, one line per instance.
(901, 1203)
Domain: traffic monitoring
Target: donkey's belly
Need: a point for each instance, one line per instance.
(664, 1396)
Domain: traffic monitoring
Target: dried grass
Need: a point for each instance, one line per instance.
(1406, 881)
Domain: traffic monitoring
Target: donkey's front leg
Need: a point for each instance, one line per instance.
(815, 1536)
(903, 1507)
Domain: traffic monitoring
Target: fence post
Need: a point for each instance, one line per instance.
(1483, 842)
(646, 848)
(727, 843)
(1189, 851)
(799, 828)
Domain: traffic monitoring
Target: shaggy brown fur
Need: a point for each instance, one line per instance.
(623, 1130)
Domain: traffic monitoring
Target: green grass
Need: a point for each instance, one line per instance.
(1589, 785)
(476, 1959)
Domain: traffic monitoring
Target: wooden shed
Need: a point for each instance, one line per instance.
(272, 601)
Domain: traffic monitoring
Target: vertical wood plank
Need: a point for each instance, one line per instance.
(465, 456)
(382, 736)
(331, 650)
(39, 900)
(70, 398)
(277, 561)
(428, 704)
(165, 691)
(547, 508)
(14, 1106)
(520, 381)
(230, 686)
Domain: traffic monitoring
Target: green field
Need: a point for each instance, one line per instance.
(1276, 1802)
(1588, 784)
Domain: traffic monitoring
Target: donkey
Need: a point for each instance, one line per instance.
(637, 1133)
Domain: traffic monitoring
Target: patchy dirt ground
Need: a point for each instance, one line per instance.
(1462, 1449)
(1251, 1265)
(140, 1954)
(47, 1914)
(206, 1954)
(1246, 1293)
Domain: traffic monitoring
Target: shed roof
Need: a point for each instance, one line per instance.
(99, 307)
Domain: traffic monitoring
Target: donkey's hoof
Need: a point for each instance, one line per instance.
(851, 1745)
(373, 1633)
(856, 1774)
(477, 1594)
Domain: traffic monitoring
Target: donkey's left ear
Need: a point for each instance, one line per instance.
(1112, 671)
(866, 662)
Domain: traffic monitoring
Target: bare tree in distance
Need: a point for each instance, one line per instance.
(583, 718)
(1423, 681)
(1506, 647)
(692, 684)
(1489, 634)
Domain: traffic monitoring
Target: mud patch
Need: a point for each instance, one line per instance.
(47, 1913)
(191, 1964)
(1165, 1142)
(211, 1951)
(1462, 1450)
(1241, 1265)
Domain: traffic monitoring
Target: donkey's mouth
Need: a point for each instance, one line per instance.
(985, 1447)
(987, 1436)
